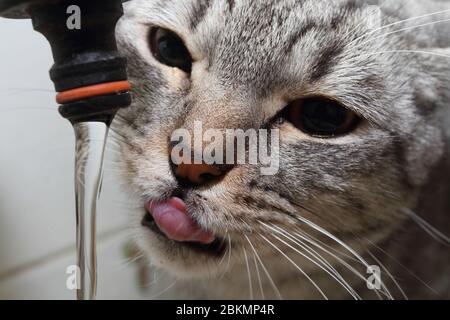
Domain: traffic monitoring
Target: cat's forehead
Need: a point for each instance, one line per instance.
(245, 36)
(260, 37)
(230, 22)
(193, 12)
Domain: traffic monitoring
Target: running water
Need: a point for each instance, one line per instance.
(90, 146)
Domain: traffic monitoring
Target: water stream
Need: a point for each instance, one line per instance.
(90, 147)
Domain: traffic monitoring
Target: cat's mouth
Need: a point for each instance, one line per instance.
(171, 221)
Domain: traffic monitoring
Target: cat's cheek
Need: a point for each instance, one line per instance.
(176, 78)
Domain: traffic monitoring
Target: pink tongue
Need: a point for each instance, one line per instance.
(173, 220)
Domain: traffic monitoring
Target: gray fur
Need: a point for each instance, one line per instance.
(251, 59)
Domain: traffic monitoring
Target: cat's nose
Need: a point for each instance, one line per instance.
(195, 174)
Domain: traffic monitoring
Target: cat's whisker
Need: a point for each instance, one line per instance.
(269, 277)
(406, 51)
(116, 141)
(401, 265)
(397, 23)
(320, 261)
(402, 292)
(261, 289)
(398, 31)
(334, 238)
(248, 228)
(250, 282)
(300, 242)
(229, 252)
(224, 255)
(112, 148)
(317, 244)
(153, 281)
(119, 136)
(120, 141)
(325, 265)
(341, 243)
(340, 260)
(428, 228)
(128, 261)
(163, 291)
(145, 285)
(364, 21)
(294, 264)
(322, 245)
(120, 119)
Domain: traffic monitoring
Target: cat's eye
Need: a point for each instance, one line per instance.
(321, 117)
(169, 49)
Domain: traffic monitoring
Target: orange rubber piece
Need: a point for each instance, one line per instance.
(92, 91)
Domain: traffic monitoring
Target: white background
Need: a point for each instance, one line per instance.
(37, 218)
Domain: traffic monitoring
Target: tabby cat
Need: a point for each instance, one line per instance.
(359, 94)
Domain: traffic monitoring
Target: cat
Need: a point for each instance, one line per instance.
(358, 92)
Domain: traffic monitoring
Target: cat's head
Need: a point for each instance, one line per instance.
(356, 124)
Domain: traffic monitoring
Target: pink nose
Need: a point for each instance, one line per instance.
(175, 222)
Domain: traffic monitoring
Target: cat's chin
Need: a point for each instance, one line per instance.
(183, 259)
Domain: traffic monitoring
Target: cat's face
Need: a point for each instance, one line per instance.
(252, 61)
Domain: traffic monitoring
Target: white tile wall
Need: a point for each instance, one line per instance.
(117, 279)
(37, 218)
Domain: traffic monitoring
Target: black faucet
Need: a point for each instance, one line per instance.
(89, 74)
